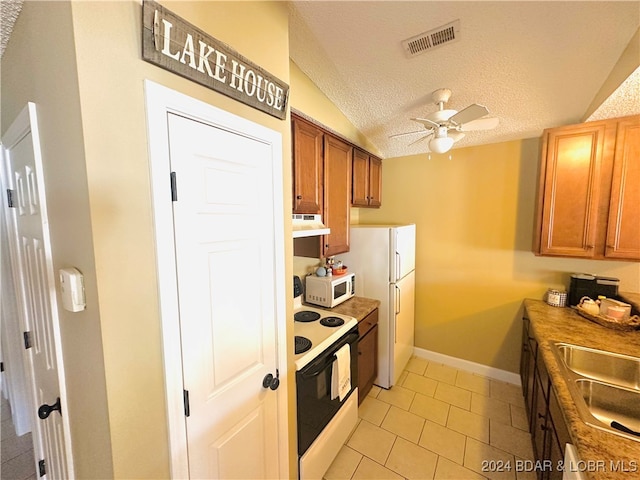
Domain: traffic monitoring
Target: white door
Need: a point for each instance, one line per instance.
(227, 230)
(403, 294)
(31, 252)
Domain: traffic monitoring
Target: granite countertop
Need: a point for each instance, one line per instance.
(553, 324)
(357, 307)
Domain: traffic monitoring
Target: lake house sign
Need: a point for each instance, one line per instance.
(174, 44)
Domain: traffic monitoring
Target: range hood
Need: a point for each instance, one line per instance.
(307, 225)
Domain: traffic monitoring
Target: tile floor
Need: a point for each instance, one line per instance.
(438, 423)
(17, 452)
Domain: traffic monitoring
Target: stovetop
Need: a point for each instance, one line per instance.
(312, 328)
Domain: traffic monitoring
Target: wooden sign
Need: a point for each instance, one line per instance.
(174, 44)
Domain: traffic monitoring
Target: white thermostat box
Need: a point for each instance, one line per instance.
(72, 289)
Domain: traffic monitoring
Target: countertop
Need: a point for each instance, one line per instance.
(553, 324)
(357, 307)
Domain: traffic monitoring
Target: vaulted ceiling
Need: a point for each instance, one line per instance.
(533, 64)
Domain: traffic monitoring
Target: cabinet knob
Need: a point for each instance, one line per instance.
(299, 197)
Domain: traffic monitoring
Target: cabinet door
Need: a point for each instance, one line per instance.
(375, 182)
(367, 362)
(623, 231)
(360, 181)
(337, 188)
(571, 190)
(307, 167)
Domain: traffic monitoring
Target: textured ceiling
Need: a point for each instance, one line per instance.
(9, 11)
(533, 64)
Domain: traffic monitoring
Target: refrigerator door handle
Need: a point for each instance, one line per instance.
(398, 269)
(397, 302)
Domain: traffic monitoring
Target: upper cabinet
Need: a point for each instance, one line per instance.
(366, 186)
(321, 184)
(589, 191)
(308, 167)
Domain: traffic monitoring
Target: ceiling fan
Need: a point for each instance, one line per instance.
(444, 127)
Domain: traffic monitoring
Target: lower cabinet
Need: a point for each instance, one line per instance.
(549, 433)
(367, 354)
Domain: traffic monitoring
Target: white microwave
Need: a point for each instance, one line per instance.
(329, 291)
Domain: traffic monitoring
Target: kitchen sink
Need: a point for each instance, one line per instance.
(622, 370)
(605, 387)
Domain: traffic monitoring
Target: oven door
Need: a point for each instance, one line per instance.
(313, 387)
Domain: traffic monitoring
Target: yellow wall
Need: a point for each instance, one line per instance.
(81, 62)
(39, 65)
(474, 219)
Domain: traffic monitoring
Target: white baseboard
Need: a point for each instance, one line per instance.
(461, 364)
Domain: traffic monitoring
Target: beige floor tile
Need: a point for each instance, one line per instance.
(469, 424)
(435, 410)
(510, 439)
(447, 470)
(417, 365)
(402, 377)
(507, 392)
(398, 396)
(375, 390)
(443, 441)
(344, 465)
(454, 395)
(475, 383)
(372, 441)
(491, 408)
(411, 461)
(489, 461)
(442, 373)
(404, 424)
(519, 418)
(420, 384)
(373, 410)
(370, 470)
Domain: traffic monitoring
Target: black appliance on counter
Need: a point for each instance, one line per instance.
(587, 285)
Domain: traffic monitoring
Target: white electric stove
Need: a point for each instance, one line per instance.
(320, 327)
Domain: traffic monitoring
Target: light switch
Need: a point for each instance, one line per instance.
(72, 289)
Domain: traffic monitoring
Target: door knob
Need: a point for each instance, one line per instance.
(269, 381)
(45, 410)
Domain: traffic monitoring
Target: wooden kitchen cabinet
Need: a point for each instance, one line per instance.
(337, 183)
(367, 354)
(549, 432)
(589, 191)
(366, 189)
(308, 168)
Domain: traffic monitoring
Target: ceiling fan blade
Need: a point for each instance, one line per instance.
(481, 124)
(426, 122)
(422, 139)
(456, 135)
(396, 135)
(472, 112)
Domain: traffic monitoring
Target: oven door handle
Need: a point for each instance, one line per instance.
(317, 367)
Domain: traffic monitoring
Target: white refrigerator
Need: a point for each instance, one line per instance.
(383, 259)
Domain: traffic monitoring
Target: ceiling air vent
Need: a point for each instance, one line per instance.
(432, 39)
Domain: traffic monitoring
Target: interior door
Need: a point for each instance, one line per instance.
(31, 251)
(403, 294)
(225, 243)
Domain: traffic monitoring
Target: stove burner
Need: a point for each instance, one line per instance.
(331, 321)
(302, 344)
(306, 316)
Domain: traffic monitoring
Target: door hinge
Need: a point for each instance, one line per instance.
(1, 366)
(11, 195)
(187, 409)
(27, 340)
(41, 468)
(174, 187)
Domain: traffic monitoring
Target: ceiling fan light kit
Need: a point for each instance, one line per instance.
(445, 126)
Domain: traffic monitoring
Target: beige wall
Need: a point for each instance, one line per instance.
(474, 217)
(94, 120)
(39, 65)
